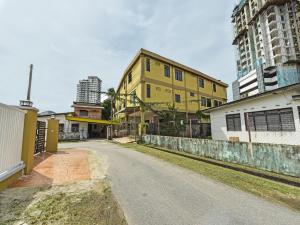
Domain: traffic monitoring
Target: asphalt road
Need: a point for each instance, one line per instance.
(153, 192)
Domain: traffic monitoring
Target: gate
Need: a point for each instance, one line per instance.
(40, 137)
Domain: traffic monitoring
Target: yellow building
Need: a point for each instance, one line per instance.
(161, 82)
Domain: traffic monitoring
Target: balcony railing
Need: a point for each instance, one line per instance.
(98, 117)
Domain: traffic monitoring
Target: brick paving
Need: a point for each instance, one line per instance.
(64, 167)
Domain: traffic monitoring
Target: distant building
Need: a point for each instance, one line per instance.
(85, 122)
(88, 91)
(273, 117)
(267, 40)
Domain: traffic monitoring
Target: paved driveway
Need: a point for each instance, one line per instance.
(153, 192)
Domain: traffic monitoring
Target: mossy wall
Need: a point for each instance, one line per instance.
(283, 159)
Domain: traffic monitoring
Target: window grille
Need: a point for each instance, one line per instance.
(271, 120)
(233, 122)
(148, 64)
(178, 75)
(201, 82)
(167, 71)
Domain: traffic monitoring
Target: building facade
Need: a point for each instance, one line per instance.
(89, 90)
(273, 117)
(161, 83)
(267, 41)
(83, 123)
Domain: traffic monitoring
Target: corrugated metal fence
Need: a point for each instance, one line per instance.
(11, 138)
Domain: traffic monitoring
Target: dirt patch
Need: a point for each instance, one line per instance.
(82, 202)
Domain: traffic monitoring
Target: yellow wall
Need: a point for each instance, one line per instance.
(156, 78)
(10, 180)
(163, 89)
(52, 136)
(29, 139)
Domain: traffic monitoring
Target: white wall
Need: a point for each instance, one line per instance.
(275, 101)
(68, 124)
(11, 139)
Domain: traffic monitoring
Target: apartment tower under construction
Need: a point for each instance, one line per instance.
(267, 41)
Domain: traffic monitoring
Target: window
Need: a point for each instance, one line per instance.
(167, 71)
(177, 98)
(271, 120)
(208, 102)
(287, 119)
(233, 122)
(192, 94)
(148, 64)
(217, 103)
(203, 101)
(201, 82)
(83, 113)
(61, 127)
(178, 75)
(129, 78)
(148, 89)
(214, 87)
(75, 127)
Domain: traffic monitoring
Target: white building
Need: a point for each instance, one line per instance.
(67, 129)
(88, 91)
(267, 41)
(273, 118)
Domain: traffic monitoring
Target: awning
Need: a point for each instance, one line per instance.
(88, 120)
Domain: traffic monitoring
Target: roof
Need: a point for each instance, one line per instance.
(88, 120)
(11, 107)
(55, 114)
(47, 113)
(264, 94)
(168, 61)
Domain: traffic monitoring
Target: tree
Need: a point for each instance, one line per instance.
(106, 113)
(200, 115)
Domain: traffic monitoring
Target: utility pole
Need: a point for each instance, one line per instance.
(27, 102)
(29, 82)
(111, 116)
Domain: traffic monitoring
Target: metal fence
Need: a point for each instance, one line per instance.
(11, 138)
(40, 137)
(192, 129)
(126, 129)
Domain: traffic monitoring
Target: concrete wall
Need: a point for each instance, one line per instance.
(284, 159)
(275, 101)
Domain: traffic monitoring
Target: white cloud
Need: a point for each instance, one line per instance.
(69, 40)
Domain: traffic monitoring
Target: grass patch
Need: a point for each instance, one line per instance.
(276, 192)
(95, 206)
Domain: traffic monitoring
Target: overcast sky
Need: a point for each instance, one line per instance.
(67, 40)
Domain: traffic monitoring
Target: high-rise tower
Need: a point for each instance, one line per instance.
(89, 90)
(267, 41)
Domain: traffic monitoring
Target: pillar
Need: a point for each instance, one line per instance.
(29, 134)
(52, 136)
(142, 128)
